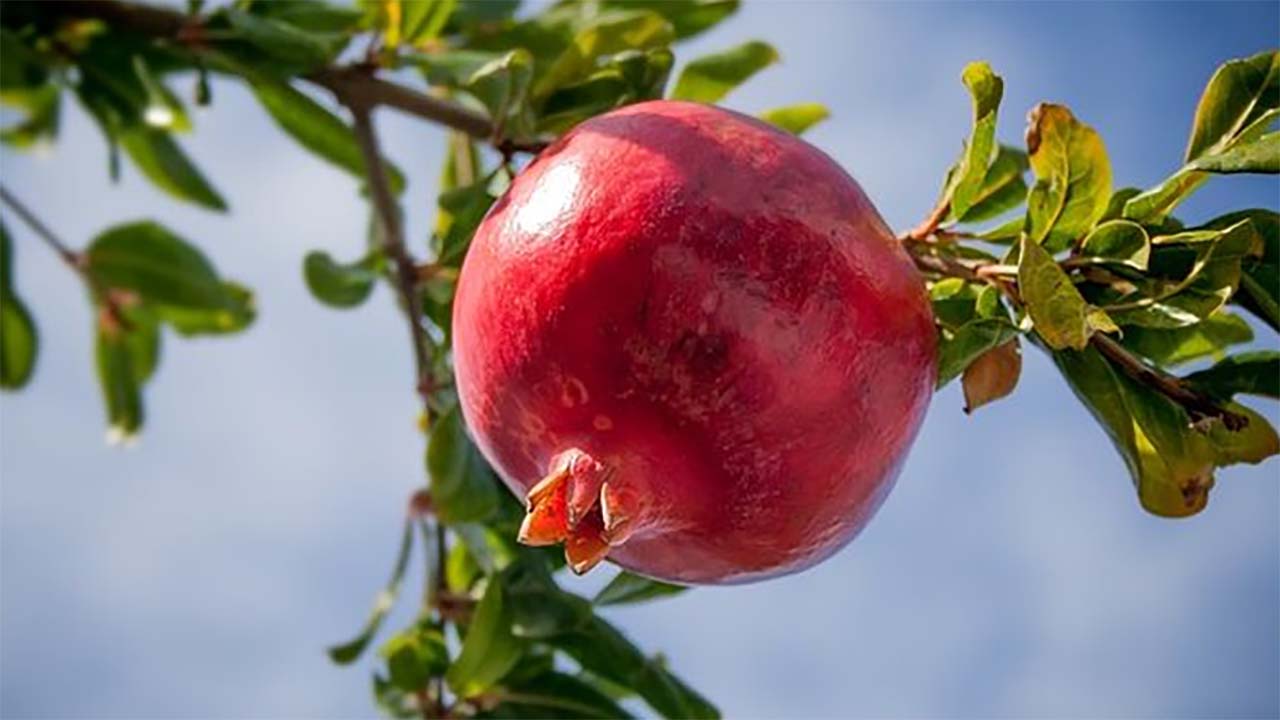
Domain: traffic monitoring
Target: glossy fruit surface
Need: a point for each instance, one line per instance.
(689, 341)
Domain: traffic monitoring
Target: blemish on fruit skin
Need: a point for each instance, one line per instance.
(532, 424)
(710, 301)
(602, 423)
(573, 392)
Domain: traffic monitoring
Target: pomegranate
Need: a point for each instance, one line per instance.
(689, 341)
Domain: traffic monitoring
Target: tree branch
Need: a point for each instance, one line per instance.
(350, 83)
(41, 230)
(356, 83)
(403, 268)
(926, 229)
(1197, 405)
(76, 261)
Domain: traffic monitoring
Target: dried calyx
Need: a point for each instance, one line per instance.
(575, 504)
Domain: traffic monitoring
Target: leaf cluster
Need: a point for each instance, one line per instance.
(1117, 289)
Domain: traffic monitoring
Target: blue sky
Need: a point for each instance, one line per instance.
(1011, 573)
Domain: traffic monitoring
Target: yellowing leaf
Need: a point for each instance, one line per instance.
(971, 170)
(1073, 177)
(1061, 316)
(1172, 463)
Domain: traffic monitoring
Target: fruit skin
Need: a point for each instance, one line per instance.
(713, 311)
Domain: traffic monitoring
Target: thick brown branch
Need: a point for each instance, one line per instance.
(1197, 405)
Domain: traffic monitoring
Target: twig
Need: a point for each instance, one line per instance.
(111, 301)
(1197, 405)
(403, 266)
(926, 229)
(41, 230)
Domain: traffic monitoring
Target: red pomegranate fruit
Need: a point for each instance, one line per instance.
(689, 341)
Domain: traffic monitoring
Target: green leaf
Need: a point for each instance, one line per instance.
(1252, 444)
(502, 85)
(1153, 205)
(289, 44)
(1119, 242)
(489, 649)
(462, 485)
(471, 16)
(21, 67)
(1260, 283)
(165, 164)
(1002, 189)
(539, 608)
(236, 315)
(600, 649)
(460, 569)
(451, 68)
(557, 695)
(126, 357)
(19, 341)
(1006, 233)
(422, 20)
(311, 15)
(1173, 346)
(611, 33)
(489, 549)
(958, 349)
(348, 652)
(967, 177)
(461, 211)
(42, 106)
(161, 267)
(710, 77)
(1260, 156)
(1238, 94)
(392, 701)
(1171, 463)
(1255, 373)
(1073, 177)
(1209, 266)
(626, 588)
(796, 119)
(630, 76)
(956, 302)
(1061, 316)
(339, 285)
(1237, 106)
(414, 656)
(1115, 206)
(317, 129)
(688, 17)
(163, 110)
